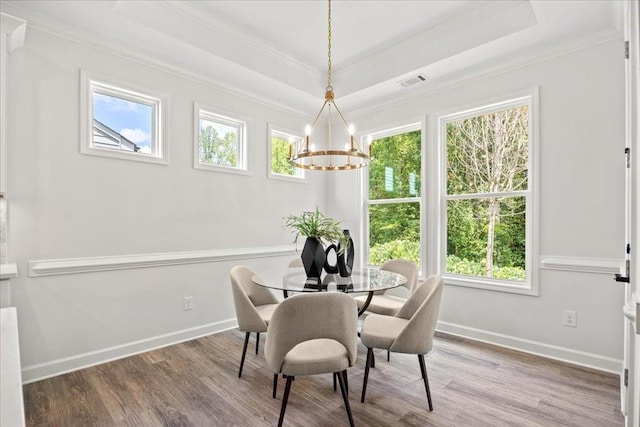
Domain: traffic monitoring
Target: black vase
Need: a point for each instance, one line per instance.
(313, 257)
(345, 262)
(331, 269)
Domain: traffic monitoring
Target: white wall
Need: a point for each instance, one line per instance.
(581, 206)
(65, 205)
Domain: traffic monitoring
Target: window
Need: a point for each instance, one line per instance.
(220, 142)
(394, 202)
(121, 123)
(486, 204)
(280, 144)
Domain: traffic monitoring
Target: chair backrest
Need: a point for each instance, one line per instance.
(296, 262)
(405, 267)
(305, 317)
(246, 296)
(421, 309)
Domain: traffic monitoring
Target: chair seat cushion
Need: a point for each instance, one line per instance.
(382, 304)
(317, 356)
(265, 311)
(381, 331)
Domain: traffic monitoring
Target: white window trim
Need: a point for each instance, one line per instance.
(364, 185)
(436, 216)
(301, 177)
(89, 80)
(213, 114)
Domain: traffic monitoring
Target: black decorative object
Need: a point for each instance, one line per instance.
(345, 261)
(331, 269)
(313, 257)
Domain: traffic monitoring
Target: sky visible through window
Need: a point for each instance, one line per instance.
(130, 119)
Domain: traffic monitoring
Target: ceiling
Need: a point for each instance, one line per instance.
(277, 50)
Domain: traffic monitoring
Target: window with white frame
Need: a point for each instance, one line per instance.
(281, 144)
(220, 142)
(121, 122)
(394, 195)
(487, 187)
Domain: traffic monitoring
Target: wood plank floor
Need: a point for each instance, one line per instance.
(195, 384)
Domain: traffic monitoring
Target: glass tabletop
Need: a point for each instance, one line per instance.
(362, 280)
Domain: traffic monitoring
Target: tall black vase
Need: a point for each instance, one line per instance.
(345, 261)
(313, 257)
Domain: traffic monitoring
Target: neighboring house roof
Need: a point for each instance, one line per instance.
(105, 137)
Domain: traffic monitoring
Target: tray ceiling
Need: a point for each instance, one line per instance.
(277, 50)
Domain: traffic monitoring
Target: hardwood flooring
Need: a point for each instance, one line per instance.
(196, 384)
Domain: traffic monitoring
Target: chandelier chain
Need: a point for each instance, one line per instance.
(329, 45)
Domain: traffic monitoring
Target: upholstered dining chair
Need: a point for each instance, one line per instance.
(313, 334)
(254, 306)
(383, 303)
(296, 262)
(410, 331)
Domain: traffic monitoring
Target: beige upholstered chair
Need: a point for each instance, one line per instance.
(296, 262)
(254, 306)
(386, 304)
(410, 331)
(313, 334)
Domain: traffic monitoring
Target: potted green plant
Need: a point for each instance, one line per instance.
(318, 229)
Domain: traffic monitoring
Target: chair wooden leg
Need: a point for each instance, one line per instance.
(275, 384)
(388, 356)
(426, 380)
(284, 400)
(345, 394)
(373, 360)
(366, 373)
(334, 382)
(244, 352)
(257, 341)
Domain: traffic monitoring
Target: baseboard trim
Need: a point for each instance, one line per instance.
(54, 267)
(62, 366)
(563, 354)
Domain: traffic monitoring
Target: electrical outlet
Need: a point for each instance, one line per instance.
(188, 303)
(570, 318)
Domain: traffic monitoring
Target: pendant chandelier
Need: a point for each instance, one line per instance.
(347, 155)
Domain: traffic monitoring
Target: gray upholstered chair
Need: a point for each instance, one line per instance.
(410, 331)
(313, 334)
(254, 306)
(383, 303)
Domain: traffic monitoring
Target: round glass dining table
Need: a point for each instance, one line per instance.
(362, 280)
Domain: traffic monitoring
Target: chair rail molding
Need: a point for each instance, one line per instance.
(582, 265)
(52, 267)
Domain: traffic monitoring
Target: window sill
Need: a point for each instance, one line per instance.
(223, 169)
(513, 287)
(289, 178)
(116, 154)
